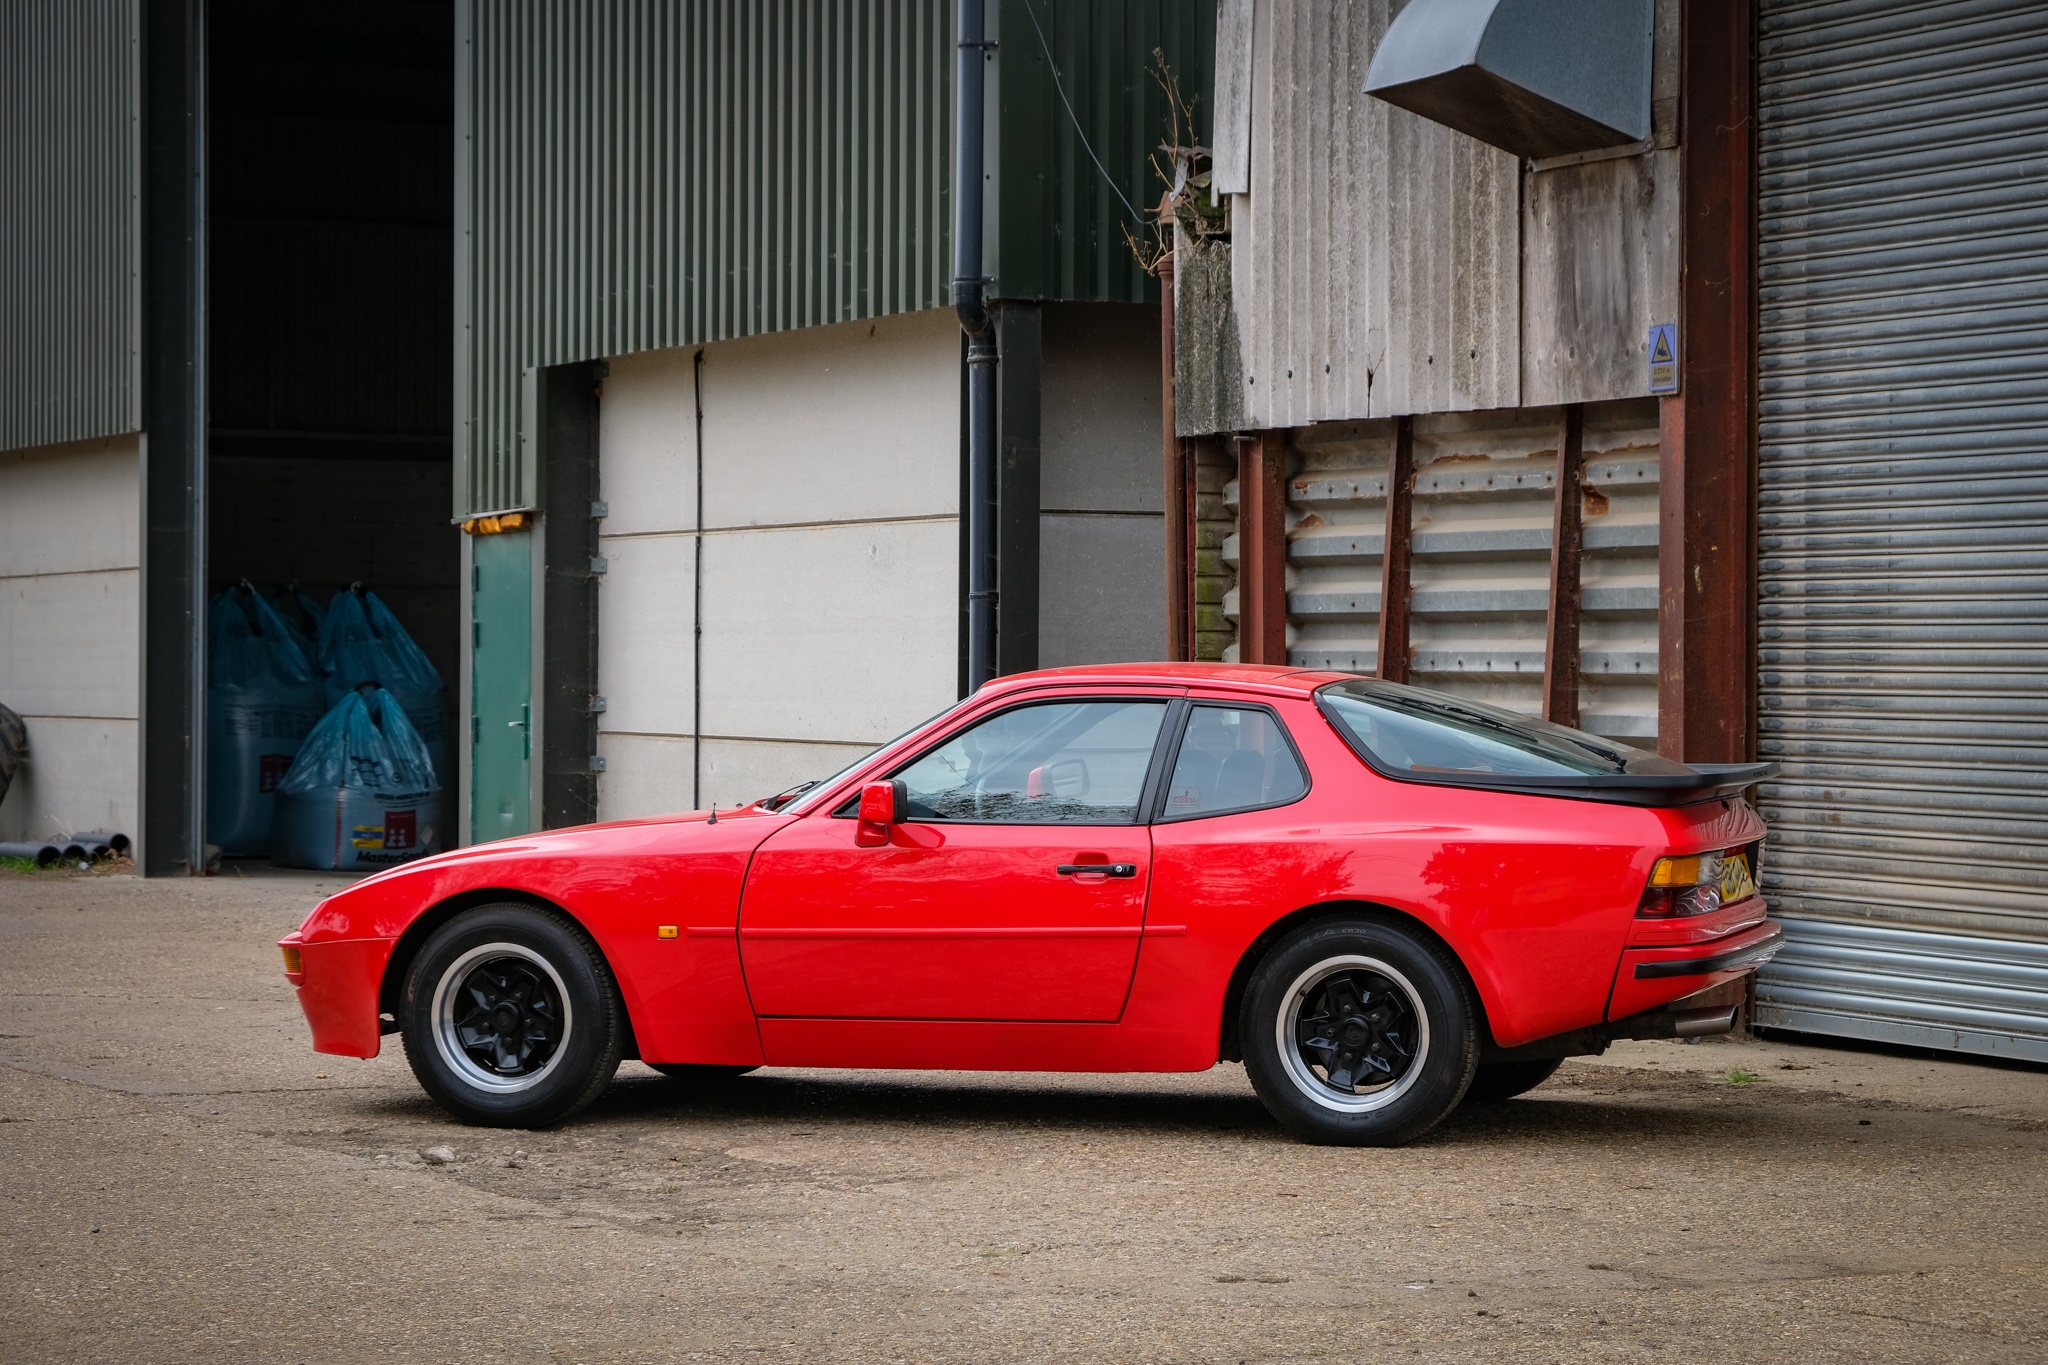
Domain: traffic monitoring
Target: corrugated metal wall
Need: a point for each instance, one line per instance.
(1060, 223)
(70, 228)
(640, 174)
(1485, 484)
(1377, 268)
(1903, 567)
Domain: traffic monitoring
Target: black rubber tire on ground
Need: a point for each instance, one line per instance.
(558, 962)
(1505, 1080)
(1432, 989)
(701, 1071)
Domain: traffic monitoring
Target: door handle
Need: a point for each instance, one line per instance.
(1101, 869)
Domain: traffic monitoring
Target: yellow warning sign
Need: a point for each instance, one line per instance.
(1664, 358)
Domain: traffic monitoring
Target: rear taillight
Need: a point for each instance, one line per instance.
(1680, 887)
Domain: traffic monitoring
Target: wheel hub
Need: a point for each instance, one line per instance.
(508, 1016)
(1356, 1030)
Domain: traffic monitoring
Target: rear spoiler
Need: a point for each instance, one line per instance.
(1706, 782)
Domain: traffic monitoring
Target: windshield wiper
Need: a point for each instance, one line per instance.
(781, 799)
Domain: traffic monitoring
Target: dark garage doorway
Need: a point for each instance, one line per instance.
(330, 305)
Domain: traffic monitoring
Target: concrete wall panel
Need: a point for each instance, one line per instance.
(643, 775)
(1099, 424)
(1103, 588)
(69, 508)
(831, 557)
(855, 422)
(647, 443)
(70, 635)
(843, 634)
(81, 775)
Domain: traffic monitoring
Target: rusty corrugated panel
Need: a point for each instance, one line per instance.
(70, 235)
(641, 174)
(1376, 260)
(1482, 521)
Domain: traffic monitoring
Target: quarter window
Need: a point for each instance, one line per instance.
(1053, 763)
(1232, 758)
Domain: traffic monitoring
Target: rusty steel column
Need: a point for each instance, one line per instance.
(1567, 543)
(1706, 687)
(1178, 488)
(1396, 554)
(1262, 548)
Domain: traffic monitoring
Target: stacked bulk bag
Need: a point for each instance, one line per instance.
(362, 642)
(261, 700)
(362, 793)
(302, 615)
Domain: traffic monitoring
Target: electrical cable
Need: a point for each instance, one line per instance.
(1060, 88)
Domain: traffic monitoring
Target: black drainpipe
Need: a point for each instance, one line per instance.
(982, 471)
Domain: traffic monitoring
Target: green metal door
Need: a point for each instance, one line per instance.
(501, 686)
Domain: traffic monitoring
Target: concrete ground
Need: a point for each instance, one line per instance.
(182, 1178)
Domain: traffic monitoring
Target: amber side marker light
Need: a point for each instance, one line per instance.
(293, 963)
(1680, 887)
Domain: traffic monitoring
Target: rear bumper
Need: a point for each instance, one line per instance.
(338, 982)
(1651, 976)
(1698, 1015)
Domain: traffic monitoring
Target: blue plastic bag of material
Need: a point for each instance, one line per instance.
(261, 700)
(302, 617)
(361, 641)
(361, 794)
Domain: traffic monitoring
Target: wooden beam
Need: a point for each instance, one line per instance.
(1567, 543)
(1179, 490)
(1397, 554)
(1706, 693)
(1262, 548)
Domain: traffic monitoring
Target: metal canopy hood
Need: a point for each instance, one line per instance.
(1533, 77)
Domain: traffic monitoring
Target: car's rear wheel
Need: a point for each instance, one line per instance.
(511, 1017)
(1359, 1033)
(1505, 1080)
(701, 1071)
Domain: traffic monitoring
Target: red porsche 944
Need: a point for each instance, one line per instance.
(1381, 898)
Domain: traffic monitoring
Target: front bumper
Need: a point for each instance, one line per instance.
(339, 981)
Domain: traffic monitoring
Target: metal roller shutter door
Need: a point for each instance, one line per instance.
(1903, 517)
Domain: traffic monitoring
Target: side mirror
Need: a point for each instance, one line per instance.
(882, 804)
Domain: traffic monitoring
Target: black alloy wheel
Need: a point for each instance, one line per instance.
(1505, 1080)
(1359, 1032)
(510, 1017)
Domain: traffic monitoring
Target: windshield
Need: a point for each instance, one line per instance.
(1400, 728)
(807, 793)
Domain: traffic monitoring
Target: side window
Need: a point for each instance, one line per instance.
(1232, 758)
(1055, 763)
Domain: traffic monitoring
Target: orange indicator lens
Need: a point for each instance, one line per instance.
(293, 964)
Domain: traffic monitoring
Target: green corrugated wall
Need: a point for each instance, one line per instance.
(637, 174)
(70, 234)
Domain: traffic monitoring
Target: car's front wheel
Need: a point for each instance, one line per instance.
(511, 1018)
(1360, 1033)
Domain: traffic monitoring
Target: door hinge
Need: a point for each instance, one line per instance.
(597, 763)
(598, 564)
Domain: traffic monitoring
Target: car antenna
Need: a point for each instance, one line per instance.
(714, 814)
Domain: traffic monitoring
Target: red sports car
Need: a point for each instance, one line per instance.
(1381, 898)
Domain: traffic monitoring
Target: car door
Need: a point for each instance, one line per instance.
(1015, 891)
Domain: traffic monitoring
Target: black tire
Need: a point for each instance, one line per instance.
(1505, 1080)
(1402, 1033)
(511, 1018)
(701, 1071)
